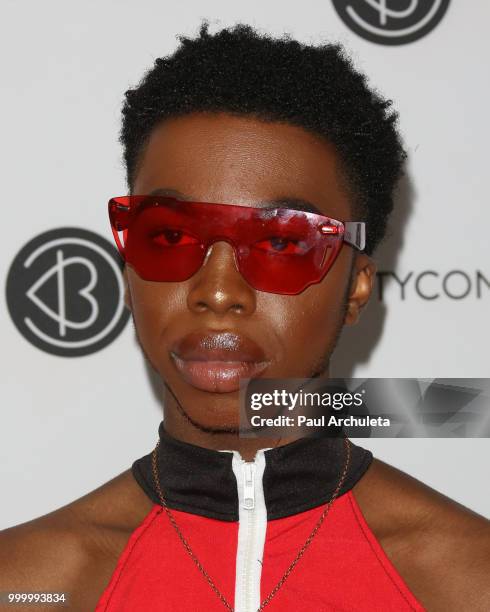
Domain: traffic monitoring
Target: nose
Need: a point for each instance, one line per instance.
(218, 286)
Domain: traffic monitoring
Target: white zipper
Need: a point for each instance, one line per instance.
(252, 527)
(252, 516)
(248, 485)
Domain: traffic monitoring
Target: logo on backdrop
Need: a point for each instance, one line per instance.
(391, 22)
(434, 284)
(65, 292)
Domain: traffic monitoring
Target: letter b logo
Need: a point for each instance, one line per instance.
(65, 292)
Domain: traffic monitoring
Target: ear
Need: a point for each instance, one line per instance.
(127, 291)
(362, 283)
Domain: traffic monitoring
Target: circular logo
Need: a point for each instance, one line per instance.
(391, 22)
(65, 292)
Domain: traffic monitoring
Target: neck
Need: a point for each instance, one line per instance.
(179, 426)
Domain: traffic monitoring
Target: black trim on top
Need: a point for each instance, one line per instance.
(298, 476)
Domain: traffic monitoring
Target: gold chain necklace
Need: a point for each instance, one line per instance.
(301, 552)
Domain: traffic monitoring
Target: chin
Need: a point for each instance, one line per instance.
(212, 411)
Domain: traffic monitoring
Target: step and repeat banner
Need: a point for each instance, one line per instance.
(78, 401)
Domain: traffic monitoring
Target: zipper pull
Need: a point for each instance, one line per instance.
(248, 485)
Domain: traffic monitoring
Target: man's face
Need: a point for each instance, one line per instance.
(239, 160)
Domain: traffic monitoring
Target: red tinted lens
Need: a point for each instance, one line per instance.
(160, 243)
(277, 250)
(288, 252)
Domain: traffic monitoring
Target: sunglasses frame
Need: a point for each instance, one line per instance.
(122, 207)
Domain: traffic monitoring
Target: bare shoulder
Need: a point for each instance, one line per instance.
(440, 548)
(75, 548)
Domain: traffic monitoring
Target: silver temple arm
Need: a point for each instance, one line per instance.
(355, 234)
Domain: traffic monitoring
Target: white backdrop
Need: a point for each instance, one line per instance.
(71, 423)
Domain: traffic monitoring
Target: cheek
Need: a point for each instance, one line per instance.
(308, 324)
(313, 321)
(153, 306)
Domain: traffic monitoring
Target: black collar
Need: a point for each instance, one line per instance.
(298, 476)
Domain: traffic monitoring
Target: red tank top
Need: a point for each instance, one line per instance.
(344, 568)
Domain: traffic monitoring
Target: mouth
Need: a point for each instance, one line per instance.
(216, 361)
(218, 376)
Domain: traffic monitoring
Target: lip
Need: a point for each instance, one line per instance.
(215, 361)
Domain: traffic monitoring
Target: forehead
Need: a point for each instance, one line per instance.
(239, 159)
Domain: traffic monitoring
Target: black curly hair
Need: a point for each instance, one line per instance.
(240, 71)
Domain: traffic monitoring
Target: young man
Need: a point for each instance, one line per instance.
(234, 133)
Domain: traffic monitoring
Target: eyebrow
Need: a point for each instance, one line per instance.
(282, 202)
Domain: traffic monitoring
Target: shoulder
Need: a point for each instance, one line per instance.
(74, 549)
(440, 548)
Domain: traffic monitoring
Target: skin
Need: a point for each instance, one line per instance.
(439, 547)
(224, 159)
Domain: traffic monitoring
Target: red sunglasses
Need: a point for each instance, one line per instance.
(279, 250)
